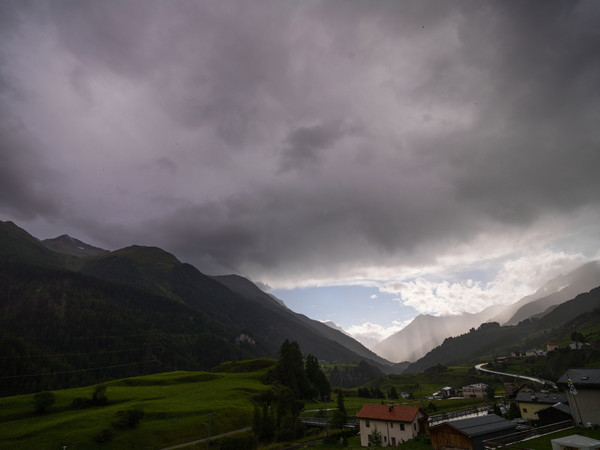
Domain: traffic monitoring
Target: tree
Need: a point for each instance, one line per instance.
(576, 336)
(43, 400)
(513, 411)
(340, 417)
(393, 393)
(490, 392)
(256, 421)
(316, 377)
(290, 369)
(267, 425)
(375, 437)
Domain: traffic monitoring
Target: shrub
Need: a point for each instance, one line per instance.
(99, 396)
(43, 400)
(128, 419)
(103, 435)
(81, 403)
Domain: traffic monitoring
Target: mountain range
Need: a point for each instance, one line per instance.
(71, 308)
(426, 332)
(72, 314)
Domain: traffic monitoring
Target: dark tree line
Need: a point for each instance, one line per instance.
(277, 411)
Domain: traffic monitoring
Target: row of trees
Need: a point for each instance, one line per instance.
(376, 392)
(294, 380)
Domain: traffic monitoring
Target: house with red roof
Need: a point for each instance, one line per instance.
(396, 424)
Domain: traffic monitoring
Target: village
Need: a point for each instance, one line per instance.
(528, 407)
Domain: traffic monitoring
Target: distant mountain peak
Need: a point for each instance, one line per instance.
(335, 326)
(148, 255)
(71, 246)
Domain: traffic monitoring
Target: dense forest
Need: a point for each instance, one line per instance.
(61, 329)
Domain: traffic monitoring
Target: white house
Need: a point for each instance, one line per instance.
(397, 424)
(474, 390)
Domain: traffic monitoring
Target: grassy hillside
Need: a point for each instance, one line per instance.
(174, 404)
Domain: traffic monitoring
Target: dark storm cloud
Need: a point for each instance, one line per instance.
(303, 144)
(25, 185)
(228, 130)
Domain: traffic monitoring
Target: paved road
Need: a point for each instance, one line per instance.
(537, 380)
(218, 436)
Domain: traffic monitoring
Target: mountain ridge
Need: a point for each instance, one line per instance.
(238, 326)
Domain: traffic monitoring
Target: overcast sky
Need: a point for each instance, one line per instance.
(412, 156)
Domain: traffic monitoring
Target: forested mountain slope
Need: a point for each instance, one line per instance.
(491, 339)
(155, 313)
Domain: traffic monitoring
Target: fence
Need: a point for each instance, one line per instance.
(322, 422)
(453, 415)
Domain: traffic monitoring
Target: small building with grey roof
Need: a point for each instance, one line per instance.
(470, 433)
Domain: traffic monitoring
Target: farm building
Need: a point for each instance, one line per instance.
(469, 433)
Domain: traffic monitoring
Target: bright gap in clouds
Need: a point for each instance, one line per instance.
(365, 313)
(372, 313)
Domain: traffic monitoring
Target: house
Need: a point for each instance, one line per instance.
(397, 424)
(551, 346)
(449, 391)
(576, 345)
(469, 433)
(554, 414)
(474, 390)
(536, 352)
(510, 389)
(584, 397)
(439, 395)
(531, 402)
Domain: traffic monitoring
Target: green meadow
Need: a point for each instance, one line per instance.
(176, 407)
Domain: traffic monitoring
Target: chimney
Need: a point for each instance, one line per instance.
(391, 407)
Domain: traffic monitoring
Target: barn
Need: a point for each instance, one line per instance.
(469, 433)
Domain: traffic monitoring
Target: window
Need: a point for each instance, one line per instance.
(414, 426)
(391, 424)
(402, 427)
(367, 423)
(525, 410)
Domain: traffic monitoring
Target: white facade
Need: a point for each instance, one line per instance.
(392, 433)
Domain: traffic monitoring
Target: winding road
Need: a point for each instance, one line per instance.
(479, 367)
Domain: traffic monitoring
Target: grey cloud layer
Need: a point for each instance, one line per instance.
(270, 137)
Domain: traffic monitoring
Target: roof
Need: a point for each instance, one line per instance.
(559, 407)
(476, 386)
(576, 440)
(549, 398)
(581, 377)
(477, 426)
(388, 413)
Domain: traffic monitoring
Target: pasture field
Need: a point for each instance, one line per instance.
(176, 407)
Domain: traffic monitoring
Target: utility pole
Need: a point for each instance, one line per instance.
(207, 425)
